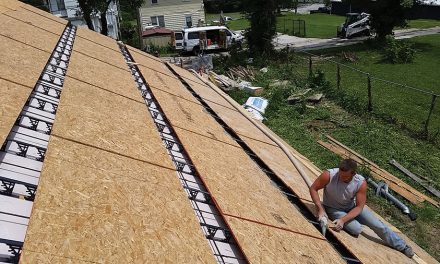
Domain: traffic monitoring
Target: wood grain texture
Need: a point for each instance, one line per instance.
(106, 214)
(108, 121)
(25, 33)
(20, 62)
(369, 248)
(12, 99)
(264, 244)
(103, 41)
(38, 18)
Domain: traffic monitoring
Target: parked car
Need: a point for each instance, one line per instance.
(198, 39)
(324, 10)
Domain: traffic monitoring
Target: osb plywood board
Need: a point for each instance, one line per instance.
(31, 257)
(85, 213)
(28, 34)
(11, 4)
(278, 161)
(20, 62)
(12, 99)
(190, 116)
(95, 72)
(264, 244)
(104, 41)
(188, 75)
(45, 14)
(94, 50)
(108, 121)
(134, 52)
(28, 15)
(239, 186)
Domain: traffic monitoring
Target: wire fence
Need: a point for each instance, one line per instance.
(410, 107)
(293, 27)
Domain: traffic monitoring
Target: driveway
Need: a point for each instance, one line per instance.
(282, 40)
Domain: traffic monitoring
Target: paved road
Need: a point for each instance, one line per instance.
(281, 41)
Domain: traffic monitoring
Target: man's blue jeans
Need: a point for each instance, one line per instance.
(366, 217)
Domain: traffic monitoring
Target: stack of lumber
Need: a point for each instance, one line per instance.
(222, 81)
(378, 173)
(241, 72)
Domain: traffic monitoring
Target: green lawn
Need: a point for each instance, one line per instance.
(317, 25)
(423, 23)
(375, 139)
(406, 107)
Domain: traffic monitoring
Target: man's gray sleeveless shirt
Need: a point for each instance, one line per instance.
(341, 195)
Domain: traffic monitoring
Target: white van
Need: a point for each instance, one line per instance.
(205, 38)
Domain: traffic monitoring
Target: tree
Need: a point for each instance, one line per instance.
(261, 14)
(86, 7)
(385, 14)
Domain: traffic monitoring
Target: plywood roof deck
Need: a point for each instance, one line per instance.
(237, 184)
(367, 247)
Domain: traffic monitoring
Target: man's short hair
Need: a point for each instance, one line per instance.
(348, 165)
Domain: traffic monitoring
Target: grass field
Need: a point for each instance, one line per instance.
(317, 25)
(407, 107)
(379, 141)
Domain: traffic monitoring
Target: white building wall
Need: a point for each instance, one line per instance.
(73, 14)
(174, 15)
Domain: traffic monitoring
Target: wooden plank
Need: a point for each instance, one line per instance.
(38, 18)
(187, 115)
(366, 248)
(264, 244)
(9, 109)
(415, 178)
(102, 207)
(241, 189)
(107, 77)
(108, 121)
(22, 31)
(103, 41)
(395, 187)
(11, 4)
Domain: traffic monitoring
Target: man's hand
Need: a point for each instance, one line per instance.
(322, 215)
(339, 224)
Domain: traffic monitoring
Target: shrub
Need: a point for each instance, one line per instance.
(399, 51)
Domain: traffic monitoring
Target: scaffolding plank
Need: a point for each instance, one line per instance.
(9, 109)
(102, 207)
(108, 121)
(100, 74)
(264, 244)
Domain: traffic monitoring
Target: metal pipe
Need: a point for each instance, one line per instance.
(405, 209)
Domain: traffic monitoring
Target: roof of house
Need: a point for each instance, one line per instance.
(156, 32)
(135, 160)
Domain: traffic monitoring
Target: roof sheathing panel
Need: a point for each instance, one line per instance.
(367, 247)
(34, 19)
(84, 211)
(101, 40)
(26, 33)
(262, 244)
(108, 121)
(12, 99)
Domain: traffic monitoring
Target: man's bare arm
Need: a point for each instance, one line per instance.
(319, 184)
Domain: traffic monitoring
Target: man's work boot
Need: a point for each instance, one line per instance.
(408, 251)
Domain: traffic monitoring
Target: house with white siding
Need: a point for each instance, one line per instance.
(69, 9)
(171, 14)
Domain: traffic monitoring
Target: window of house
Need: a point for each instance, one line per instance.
(60, 5)
(193, 35)
(154, 1)
(158, 21)
(188, 21)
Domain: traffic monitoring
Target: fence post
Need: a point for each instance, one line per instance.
(310, 66)
(338, 76)
(370, 104)
(434, 96)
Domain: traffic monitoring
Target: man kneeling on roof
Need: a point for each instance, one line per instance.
(345, 194)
